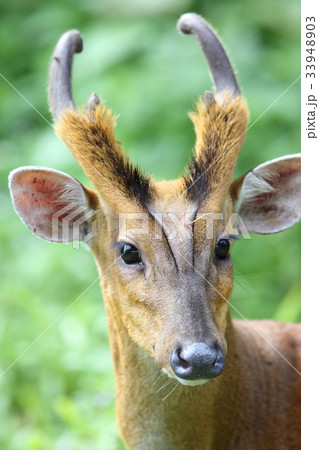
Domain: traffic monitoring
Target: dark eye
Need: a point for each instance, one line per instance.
(130, 254)
(222, 249)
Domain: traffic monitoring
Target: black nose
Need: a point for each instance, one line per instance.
(197, 361)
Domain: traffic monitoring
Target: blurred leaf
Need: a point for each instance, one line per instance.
(289, 308)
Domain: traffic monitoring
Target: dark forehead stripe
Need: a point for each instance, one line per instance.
(198, 182)
(140, 187)
(203, 170)
(129, 178)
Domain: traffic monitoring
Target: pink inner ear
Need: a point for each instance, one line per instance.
(275, 205)
(42, 190)
(39, 194)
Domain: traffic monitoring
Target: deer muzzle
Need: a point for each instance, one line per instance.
(197, 361)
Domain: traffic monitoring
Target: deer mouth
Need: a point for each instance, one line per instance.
(183, 381)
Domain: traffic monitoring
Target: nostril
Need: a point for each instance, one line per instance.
(180, 366)
(182, 362)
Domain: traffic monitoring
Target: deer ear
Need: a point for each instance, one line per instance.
(54, 205)
(268, 197)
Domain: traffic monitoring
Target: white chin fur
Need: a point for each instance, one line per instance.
(185, 382)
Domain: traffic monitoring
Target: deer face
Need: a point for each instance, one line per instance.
(170, 281)
(162, 248)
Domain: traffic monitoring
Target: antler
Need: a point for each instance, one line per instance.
(60, 92)
(214, 52)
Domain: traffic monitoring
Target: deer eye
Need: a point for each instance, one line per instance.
(222, 249)
(130, 254)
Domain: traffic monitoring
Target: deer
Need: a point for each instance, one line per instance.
(187, 375)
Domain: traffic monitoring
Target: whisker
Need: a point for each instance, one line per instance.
(241, 280)
(177, 396)
(158, 378)
(177, 383)
(241, 283)
(165, 384)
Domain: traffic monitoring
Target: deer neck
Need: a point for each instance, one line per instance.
(152, 409)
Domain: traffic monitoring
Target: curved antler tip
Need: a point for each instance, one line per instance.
(60, 93)
(70, 39)
(187, 21)
(220, 67)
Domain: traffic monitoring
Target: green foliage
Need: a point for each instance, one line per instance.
(60, 393)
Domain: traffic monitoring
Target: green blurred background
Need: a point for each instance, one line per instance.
(59, 395)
